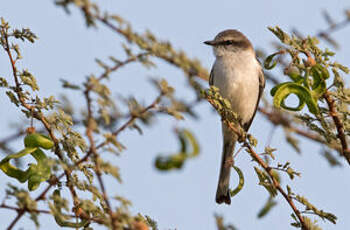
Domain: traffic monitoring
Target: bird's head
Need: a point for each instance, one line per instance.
(229, 42)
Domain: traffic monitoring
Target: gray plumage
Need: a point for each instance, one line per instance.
(240, 79)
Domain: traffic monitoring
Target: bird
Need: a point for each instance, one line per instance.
(239, 77)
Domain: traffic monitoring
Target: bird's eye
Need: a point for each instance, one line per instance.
(228, 42)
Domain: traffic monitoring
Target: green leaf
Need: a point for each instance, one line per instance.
(295, 76)
(38, 140)
(293, 142)
(252, 140)
(284, 37)
(267, 207)
(3, 82)
(269, 151)
(12, 171)
(341, 67)
(151, 222)
(266, 182)
(319, 74)
(36, 173)
(60, 218)
(189, 148)
(67, 84)
(13, 98)
(308, 206)
(269, 59)
(282, 91)
(28, 79)
(240, 184)
(172, 162)
(39, 172)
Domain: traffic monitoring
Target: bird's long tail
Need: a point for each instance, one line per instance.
(223, 192)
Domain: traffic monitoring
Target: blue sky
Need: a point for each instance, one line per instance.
(182, 199)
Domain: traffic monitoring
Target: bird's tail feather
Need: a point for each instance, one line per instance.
(223, 192)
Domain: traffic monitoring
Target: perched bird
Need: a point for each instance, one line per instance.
(240, 79)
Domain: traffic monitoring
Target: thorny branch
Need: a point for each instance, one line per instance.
(202, 75)
(39, 116)
(278, 118)
(263, 164)
(311, 136)
(270, 115)
(93, 148)
(5, 206)
(333, 27)
(338, 124)
(89, 133)
(41, 196)
(277, 185)
(119, 65)
(129, 122)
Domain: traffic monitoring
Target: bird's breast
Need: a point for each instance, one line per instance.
(238, 81)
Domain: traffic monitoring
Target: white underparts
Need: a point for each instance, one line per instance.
(236, 74)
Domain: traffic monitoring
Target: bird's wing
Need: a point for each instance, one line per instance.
(261, 89)
(211, 77)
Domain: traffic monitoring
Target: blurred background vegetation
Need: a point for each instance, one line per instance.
(73, 176)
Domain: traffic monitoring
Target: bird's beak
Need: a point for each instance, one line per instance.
(210, 43)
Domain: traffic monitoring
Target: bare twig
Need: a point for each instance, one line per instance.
(121, 64)
(4, 142)
(131, 120)
(20, 209)
(331, 29)
(203, 75)
(89, 130)
(12, 137)
(119, 130)
(41, 211)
